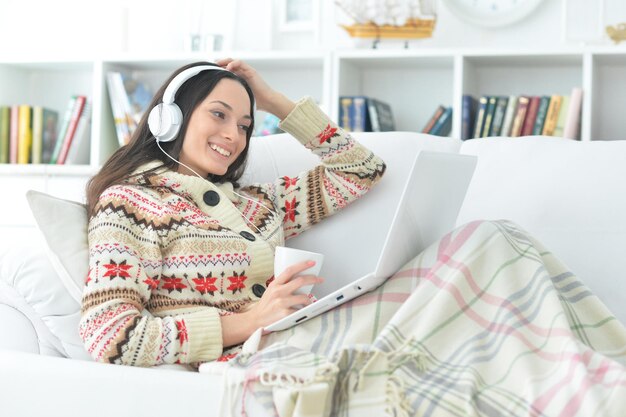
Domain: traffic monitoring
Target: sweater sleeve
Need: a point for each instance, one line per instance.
(124, 267)
(347, 171)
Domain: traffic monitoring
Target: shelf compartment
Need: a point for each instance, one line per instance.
(608, 96)
(414, 85)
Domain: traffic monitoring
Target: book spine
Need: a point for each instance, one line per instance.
(509, 115)
(13, 134)
(385, 116)
(373, 115)
(520, 116)
(71, 129)
(63, 130)
(491, 108)
(560, 124)
(480, 116)
(433, 119)
(50, 125)
(121, 125)
(498, 116)
(552, 116)
(5, 117)
(571, 130)
(36, 151)
(80, 146)
(542, 111)
(345, 105)
(359, 109)
(24, 134)
(531, 116)
(444, 123)
(468, 115)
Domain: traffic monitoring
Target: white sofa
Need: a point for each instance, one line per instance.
(570, 195)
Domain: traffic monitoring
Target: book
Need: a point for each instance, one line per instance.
(24, 134)
(571, 128)
(65, 123)
(531, 116)
(480, 116)
(79, 105)
(360, 115)
(520, 116)
(542, 111)
(37, 148)
(468, 116)
(138, 95)
(80, 148)
(443, 126)
(433, 119)
(5, 117)
(120, 118)
(491, 108)
(345, 109)
(384, 119)
(13, 123)
(49, 134)
(560, 124)
(552, 115)
(509, 115)
(498, 116)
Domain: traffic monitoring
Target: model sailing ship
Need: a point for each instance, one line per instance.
(390, 19)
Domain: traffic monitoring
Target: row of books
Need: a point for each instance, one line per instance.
(440, 123)
(548, 115)
(37, 135)
(365, 114)
(129, 99)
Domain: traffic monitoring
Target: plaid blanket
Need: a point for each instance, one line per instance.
(486, 322)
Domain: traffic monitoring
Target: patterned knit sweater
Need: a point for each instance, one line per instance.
(170, 253)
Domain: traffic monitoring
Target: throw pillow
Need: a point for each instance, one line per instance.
(63, 224)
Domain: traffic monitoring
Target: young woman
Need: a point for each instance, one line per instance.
(172, 234)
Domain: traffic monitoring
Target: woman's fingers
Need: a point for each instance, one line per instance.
(302, 281)
(292, 271)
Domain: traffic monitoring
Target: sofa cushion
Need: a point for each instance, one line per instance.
(30, 286)
(63, 224)
(570, 195)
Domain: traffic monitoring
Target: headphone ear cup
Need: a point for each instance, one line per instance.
(164, 121)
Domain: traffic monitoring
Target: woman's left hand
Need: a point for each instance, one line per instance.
(267, 99)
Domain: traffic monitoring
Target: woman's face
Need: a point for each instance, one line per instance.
(217, 131)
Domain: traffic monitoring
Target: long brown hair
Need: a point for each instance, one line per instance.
(143, 148)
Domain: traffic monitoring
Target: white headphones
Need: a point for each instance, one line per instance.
(166, 118)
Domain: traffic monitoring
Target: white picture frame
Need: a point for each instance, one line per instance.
(298, 15)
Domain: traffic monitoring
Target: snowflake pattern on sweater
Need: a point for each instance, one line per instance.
(165, 265)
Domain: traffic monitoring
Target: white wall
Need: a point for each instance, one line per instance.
(77, 28)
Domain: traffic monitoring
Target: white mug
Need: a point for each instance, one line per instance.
(285, 257)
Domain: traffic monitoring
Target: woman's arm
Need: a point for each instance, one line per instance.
(125, 266)
(347, 171)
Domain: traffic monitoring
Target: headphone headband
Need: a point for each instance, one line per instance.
(174, 85)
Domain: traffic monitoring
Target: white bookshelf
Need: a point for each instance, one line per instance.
(413, 81)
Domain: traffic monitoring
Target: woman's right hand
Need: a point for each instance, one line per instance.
(278, 301)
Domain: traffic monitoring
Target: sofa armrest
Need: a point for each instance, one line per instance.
(16, 330)
(36, 385)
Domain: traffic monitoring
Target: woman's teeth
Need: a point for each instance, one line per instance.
(219, 150)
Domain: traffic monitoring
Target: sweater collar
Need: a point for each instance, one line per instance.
(180, 183)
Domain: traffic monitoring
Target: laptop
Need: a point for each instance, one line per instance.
(427, 209)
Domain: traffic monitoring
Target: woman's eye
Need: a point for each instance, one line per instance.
(219, 114)
(245, 128)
